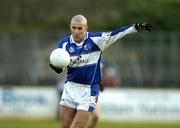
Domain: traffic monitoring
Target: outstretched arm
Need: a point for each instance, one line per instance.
(108, 38)
(121, 32)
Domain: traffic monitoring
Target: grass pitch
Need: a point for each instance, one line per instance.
(14, 123)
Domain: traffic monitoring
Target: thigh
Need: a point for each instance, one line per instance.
(96, 111)
(81, 119)
(66, 116)
(94, 118)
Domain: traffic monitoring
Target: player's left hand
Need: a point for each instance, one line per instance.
(56, 69)
(101, 86)
(143, 26)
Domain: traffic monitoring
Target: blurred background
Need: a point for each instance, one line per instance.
(144, 65)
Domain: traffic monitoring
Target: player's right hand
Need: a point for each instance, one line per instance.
(56, 69)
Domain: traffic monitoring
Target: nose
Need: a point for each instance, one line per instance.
(76, 31)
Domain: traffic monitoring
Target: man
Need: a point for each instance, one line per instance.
(81, 88)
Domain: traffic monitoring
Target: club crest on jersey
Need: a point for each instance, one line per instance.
(71, 50)
(87, 47)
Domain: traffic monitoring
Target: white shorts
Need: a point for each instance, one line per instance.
(79, 96)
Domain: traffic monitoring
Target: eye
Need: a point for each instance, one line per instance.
(73, 27)
(80, 28)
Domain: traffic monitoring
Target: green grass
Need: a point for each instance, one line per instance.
(102, 124)
(19, 123)
(138, 125)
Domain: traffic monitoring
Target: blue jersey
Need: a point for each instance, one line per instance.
(84, 67)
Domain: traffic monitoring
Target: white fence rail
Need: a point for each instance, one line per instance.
(115, 104)
(140, 104)
(28, 102)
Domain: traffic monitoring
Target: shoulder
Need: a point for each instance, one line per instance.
(63, 41)
(94, 34)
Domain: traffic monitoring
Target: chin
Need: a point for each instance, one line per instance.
(77, 40)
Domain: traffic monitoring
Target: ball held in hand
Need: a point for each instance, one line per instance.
(59, 58)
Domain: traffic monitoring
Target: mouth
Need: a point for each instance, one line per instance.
(76, 37)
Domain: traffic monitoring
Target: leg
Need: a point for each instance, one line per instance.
(66, 116)
(94, 118)
(81, 119)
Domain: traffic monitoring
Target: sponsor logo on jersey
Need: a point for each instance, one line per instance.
(78, 60)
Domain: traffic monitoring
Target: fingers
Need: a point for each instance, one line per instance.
(50, 65)
(146, 26)
(149, 27)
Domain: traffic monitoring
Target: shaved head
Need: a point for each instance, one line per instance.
(78, 28)
(79, 18)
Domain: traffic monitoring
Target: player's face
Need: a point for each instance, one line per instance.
(78, 31)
